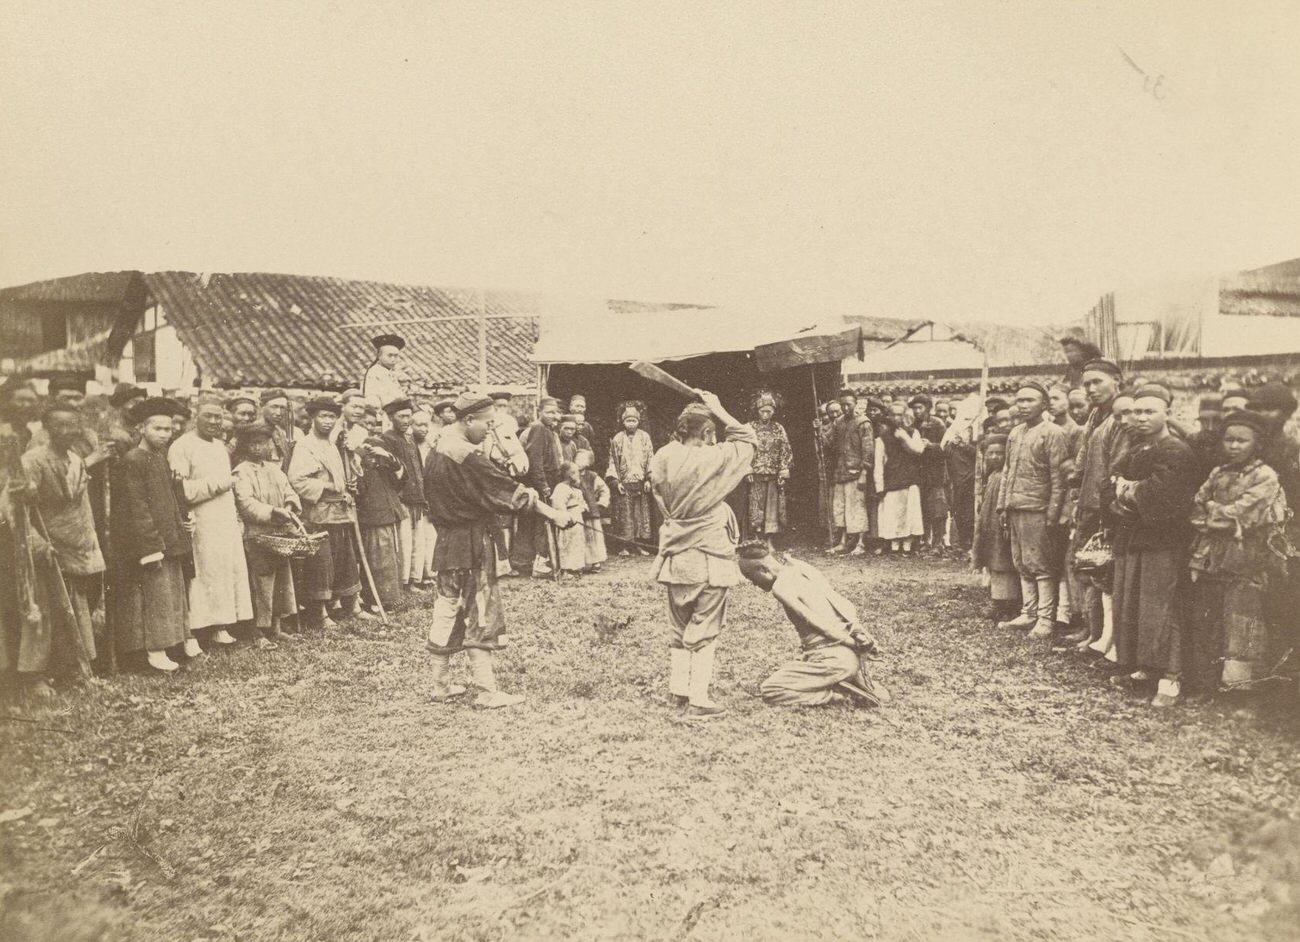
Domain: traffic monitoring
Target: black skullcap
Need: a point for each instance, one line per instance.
(397, 405)
(753, 549)
(253, 432)
(270, 395)
(322, 404)
(997, 438)
(62, 383)
(500, 395)
(1102, 365)
(236, 400)
(1034, 385)
(388, 340)
(1273, 396)
(1154, 391)
(151, 406)
(923, 399)
(125, 393)
(1250, 419)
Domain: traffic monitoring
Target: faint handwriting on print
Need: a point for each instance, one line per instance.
(1153, 85)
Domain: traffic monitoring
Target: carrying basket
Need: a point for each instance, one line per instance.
(1095, 555)
(298, 544)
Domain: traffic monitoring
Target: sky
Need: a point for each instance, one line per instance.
(956, 160)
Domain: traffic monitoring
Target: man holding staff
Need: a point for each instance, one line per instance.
(690, 480)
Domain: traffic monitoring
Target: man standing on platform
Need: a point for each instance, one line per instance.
(690, 479)
(381, 385)
(466, 494)
(1029, 506)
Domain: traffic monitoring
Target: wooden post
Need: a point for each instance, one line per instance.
(482, 341)
(825, 486)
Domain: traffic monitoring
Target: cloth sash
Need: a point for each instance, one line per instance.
(716, 534)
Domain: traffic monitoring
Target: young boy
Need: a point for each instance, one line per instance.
(993, 545)
(266, 503)
(596, 492)
(568, 498)
(833, 642)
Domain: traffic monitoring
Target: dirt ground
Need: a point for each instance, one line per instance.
(315, 792)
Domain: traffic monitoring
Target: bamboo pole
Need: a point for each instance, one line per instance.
(825, 489)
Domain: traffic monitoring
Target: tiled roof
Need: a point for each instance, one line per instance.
(113, 287)
(79, 358)
(291, 330)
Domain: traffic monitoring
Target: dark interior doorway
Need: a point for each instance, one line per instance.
(737, 380)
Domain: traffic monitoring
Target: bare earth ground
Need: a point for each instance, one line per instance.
(315, 793)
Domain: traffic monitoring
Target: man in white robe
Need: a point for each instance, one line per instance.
(219, 592)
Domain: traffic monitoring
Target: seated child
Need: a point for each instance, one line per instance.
(833, 642)
(596, 493)
(567, 497)
(992, 550)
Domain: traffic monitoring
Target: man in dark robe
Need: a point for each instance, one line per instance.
(399, 444)
(466, 492)
(531, 550)
(1148, 504)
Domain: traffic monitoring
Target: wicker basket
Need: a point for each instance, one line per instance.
(1095, 555)
(295, 545)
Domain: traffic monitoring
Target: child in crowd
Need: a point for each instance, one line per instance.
(596, 494)
(567, 496)
(266, 503)
(1239, 517)
(992, 551)
(834, 645)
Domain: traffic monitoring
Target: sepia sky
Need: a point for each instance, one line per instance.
(985, 160)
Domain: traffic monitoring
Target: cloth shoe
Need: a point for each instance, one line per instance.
(222, 636)
(159, 661)
(192, 648)
(1021, 621)
(496, 699)
(1167, 692)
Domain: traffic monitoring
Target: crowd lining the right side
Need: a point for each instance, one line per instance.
(1101, 526)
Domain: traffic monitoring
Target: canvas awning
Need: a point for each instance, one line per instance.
(776, 342)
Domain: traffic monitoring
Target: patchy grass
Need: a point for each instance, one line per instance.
(315, 793)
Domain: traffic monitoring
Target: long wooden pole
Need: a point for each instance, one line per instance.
(824, 489)
(482, 340)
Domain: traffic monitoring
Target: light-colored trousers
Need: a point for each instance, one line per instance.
(810, 680)
(849, 507)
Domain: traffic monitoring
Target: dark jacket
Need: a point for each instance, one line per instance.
(542, 446)
(378, 503)
(1167, 475)
(403, 449)
(1104, 443)
(853, 446)
(144, 517)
